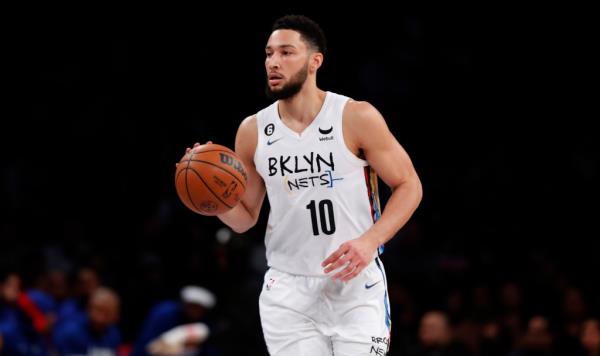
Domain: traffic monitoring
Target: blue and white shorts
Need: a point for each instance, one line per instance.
(303, 315)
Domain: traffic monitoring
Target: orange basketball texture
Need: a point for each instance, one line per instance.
(210, 179)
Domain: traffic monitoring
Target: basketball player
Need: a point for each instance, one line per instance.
(315, 154)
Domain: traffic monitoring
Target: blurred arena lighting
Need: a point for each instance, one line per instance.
(223, 235)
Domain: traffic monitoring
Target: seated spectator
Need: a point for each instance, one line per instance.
(97, 333)
(538, 340)
(590, 337)
(166, 316)
(435, 337)
(87, 281)
(22, 323)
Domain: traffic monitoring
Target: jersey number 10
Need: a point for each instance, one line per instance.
(325, 211)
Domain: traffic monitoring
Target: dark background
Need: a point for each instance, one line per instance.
(489, 103)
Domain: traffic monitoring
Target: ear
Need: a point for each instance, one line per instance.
(316, 59)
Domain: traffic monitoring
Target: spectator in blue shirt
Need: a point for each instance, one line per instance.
(191, 308)
(75, 307)
(97, 332)
(22, 323)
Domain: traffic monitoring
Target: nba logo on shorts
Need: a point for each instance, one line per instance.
(270, 283)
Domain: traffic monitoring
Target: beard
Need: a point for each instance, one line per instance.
(291, 88)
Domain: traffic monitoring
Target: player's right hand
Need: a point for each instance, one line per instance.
(187, 150)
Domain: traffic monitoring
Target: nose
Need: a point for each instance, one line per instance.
(273, 62)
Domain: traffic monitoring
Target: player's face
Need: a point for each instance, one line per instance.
(286, 64)
(288, 88)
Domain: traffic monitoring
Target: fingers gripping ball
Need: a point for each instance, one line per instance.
(210, 179)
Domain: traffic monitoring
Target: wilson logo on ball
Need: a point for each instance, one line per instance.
(235, 164)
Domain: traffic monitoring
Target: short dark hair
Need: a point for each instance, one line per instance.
(310, 31)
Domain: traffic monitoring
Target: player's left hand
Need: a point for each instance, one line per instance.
(353, 255)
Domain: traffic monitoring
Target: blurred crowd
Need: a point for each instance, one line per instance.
(485, 321)
(440, 306)
(58, 316)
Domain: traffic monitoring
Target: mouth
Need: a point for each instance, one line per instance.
(275, 79)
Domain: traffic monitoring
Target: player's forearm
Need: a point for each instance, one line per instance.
(402, 204)
(239, 219)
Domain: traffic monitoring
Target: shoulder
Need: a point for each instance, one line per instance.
(42, 300)
(249, 124)
(359, 112)
(165, 308)
(247, 138)
(247, 135)
(360, 118)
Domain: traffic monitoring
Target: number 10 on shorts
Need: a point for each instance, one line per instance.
(325, 217)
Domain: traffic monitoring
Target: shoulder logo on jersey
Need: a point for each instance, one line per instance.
(326, 132)
(270, 142)
(269, 129)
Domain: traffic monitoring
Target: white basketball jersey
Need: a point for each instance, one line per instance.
(320, 193)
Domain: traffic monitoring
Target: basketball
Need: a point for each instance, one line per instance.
(210, 179)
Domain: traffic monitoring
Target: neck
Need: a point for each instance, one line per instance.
(302, 107)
